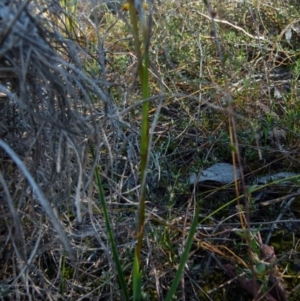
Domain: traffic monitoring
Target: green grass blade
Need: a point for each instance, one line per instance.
(184, 258)
(111, 235)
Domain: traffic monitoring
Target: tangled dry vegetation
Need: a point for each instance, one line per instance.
(69, 85)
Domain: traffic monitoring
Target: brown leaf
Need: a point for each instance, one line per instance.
(248, 284)
(275, 280)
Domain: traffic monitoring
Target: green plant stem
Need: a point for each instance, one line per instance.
(143, 75)
(143, 63)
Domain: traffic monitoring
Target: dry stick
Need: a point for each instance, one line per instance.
(43, 201)
(29, 261)
(12, 22)
(200, 82)
(13, 97)
(278, 200)
(279, 217)
(226, 283)
(19, 234)
(205, 245)
(79, 182)
(183, 244)
(261, 38)
(234, 141)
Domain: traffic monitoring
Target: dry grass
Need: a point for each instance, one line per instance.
(64, 92)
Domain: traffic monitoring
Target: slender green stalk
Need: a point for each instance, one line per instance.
(143, 62)
(110, 234)
(184, 258)
(137, 280)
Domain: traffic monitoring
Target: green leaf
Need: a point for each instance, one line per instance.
(260, 268)
(184, 258)
(110, 233)
(137, 279)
